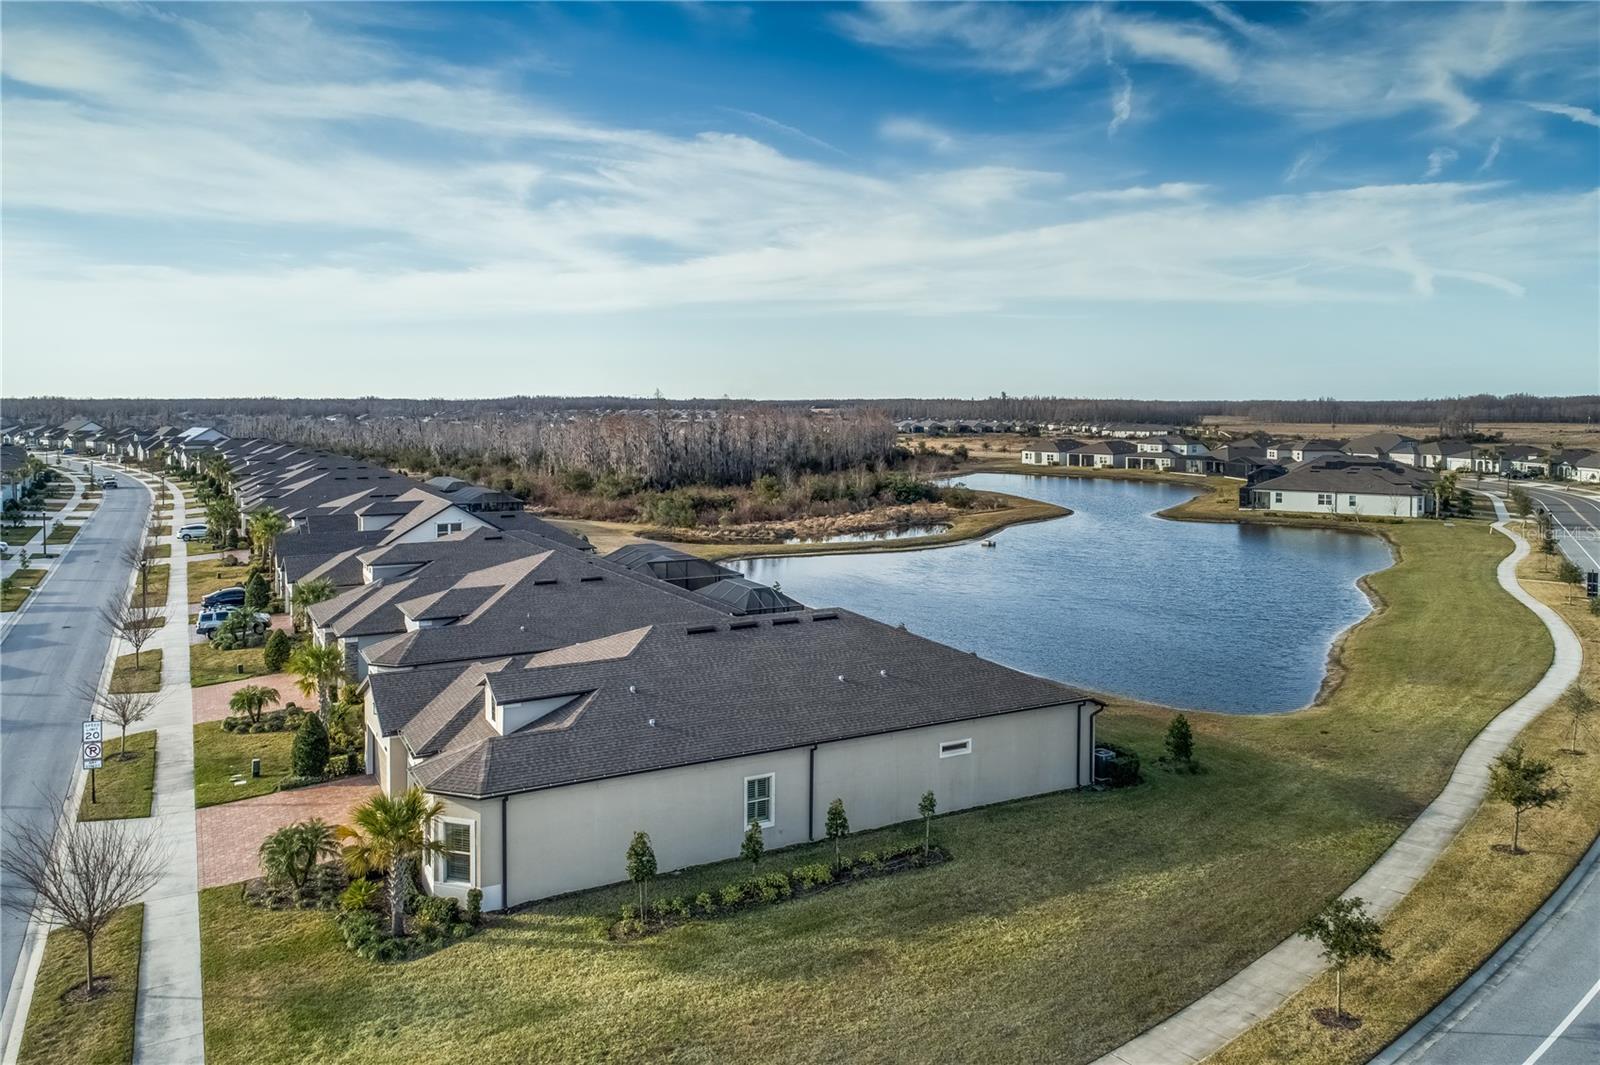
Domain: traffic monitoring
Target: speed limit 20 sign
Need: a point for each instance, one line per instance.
(93, 752)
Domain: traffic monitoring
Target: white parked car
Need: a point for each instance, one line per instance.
(193, 531)
(211, 620)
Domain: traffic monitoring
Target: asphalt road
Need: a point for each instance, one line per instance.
(55, 644)
(1577, 517)
(1540, 1002)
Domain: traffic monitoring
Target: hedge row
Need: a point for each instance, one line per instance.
(765, 889)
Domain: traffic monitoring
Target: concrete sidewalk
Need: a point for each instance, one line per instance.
(168, 1027)
(1211, 1022)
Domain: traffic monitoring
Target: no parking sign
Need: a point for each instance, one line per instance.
(93, 751)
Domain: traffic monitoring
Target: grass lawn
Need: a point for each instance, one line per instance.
(161, 551)
(1467, 904)
(219, 756)
(1065, 925)
(17, 535)
(154, 587)
(146, 678)
(99, 1032)
(210, 575)
(22, 582)
(207, 665)
(124, 786)
(62, 534)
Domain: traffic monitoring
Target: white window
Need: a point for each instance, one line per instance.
(1352, 501)
(445, 528)
(953, 748)
(1324, 499)
(758, 800)
(1277, 497)
(455, 861)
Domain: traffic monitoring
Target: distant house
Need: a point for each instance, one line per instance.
(1102, 454)
(1132, 430)
(1048, 452)
(1526, 460)
(1347, 485)
(13, 481)
(1587, 468)
(1445, 455)
(1174, 453)
(1377, 445)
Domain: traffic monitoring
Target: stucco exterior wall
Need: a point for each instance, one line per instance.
(1373, 506)
(575, 837)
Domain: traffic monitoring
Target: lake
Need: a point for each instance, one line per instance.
(1237, 618)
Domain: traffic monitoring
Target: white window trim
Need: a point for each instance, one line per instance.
(772, 800)
(964, 747)
(441, 862)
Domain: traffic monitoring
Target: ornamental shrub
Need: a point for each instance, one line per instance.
(475, 905)
(309, 756)
(362, 894)
(276, 654)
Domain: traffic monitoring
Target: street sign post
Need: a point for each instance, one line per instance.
(93, 753)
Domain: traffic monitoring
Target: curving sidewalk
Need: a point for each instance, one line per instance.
(1212, 1021)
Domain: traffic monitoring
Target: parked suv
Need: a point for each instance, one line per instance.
(211, 620)
(108, 482)
(194, 531)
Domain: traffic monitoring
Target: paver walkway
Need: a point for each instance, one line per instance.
(229, 835)
(168, 1029)
(211, 701)
(1209, 1023)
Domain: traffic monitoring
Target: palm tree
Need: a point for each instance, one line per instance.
(390, 834)
(292, 852)
(263, 526)
(308, 593)
(251, 699)
(318, 669)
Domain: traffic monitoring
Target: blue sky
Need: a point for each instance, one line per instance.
(1167, 200)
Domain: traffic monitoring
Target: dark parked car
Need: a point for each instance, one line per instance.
(224, 597)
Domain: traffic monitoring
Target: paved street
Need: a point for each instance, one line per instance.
(55, 643)
(1534, 1002)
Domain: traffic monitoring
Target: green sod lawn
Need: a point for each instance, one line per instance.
(62, 534)
(1064, 925)
(123, 786)
(152, 587)
(207, 665)
(220, 756)
(212, 574)
(199, 547)
(161, 551)
(17, 588)
(17, 535)
(146, 678)
(97, 1032)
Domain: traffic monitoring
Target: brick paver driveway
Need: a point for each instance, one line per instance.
(229, 835)
(211, 701)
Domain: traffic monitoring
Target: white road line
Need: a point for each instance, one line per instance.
(1550, 1040)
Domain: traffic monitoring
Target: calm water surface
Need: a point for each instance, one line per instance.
(1218, 617)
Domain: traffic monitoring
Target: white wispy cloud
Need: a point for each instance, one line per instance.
(1577, 114)
(784, 127)
(1121, 99)
(1491, 155)
(903, 129)
(1438, 160)
(1306, 162)
(526, 213)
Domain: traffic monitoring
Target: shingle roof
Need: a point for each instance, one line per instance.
(1354, 476)
(741, 688)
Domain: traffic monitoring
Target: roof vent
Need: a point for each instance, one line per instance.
(750, 624)
(591, 577)
(883, 672)
(493, 536)
(652, 722)
(633, 690)
(841, 678)
(791, 620)
(544, 580)
(830, 616)
(696, 630)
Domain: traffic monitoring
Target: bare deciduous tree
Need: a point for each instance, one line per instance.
(134, 623)
(120, 708)
(79, 874)
(140, 555)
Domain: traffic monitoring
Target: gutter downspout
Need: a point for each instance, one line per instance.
(811, 792)
(505, 886)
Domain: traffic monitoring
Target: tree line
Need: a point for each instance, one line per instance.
(1452, 413)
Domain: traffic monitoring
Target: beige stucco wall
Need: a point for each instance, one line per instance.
(390, 763)
(574, 837)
